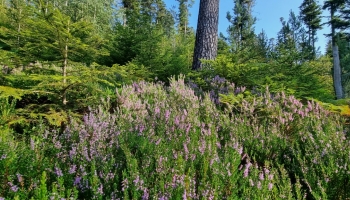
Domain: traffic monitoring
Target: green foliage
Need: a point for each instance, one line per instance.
(131, 72)
(39, 90)
(151, 46)
(307, 80)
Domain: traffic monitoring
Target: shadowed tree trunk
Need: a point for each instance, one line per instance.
(337, 73)
(336, 23)
(207, 32)
(336, 62)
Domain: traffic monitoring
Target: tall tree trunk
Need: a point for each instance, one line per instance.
(338, 88)
(337, 73)
(207, 32)
(19, 28)
(65, 65)
(313, 43)
(47, 5)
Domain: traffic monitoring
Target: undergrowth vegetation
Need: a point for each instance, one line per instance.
(157, 141)
(88, 109)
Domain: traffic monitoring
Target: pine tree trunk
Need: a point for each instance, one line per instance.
(313, 43)
(207, 32)
(65, 65)
(337, 73)
(47, 5)
(338, 88)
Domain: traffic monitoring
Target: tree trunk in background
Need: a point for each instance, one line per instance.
(338, 88)
(65, 65)
(207, 32)
(337, 73)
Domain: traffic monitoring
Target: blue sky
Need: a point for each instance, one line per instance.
(267, 12)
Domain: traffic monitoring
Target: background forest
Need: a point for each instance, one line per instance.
(98, 100)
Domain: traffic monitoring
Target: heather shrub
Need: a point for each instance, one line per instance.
(165, 142)
(306, 139)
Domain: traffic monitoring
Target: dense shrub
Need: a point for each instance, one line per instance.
(311, 79)
(168, 143)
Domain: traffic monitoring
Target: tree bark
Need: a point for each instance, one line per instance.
(337, 73)
(338, 88)
(207, 32)
(65, 65)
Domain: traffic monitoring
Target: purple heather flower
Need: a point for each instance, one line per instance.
(136, 87)
(100, 189)
(2, 198)
(240, 150)
(218, 145)
(184, 196)
(124, 184)
(259, 185)
(137, 180)
(267, 171)
(4, 156)
(77, 181)
(110, 176)
(185, 148)
(72, 152)
(14, 188)
(201, 147)
(251, 182)
(270, 176)
(261, 176)
(145, 195)
(141, 128)
(72, 169)
(246, 171)
(211, 196)
(193, 157)
(188, 128)
(58, 145)
(58, 172)
(167, 115)
(173, 183)
(270, 186)
(19, 178)
(177, 121)
(158, 141)
(156, 110)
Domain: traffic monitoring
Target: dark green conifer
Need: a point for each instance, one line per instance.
(241, 29)
(310, 14)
